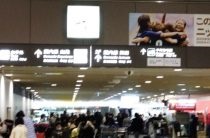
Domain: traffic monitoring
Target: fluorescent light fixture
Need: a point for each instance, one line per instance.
(36, 93)
(83, 21)
(159, 1)
(181, 84)
(148, 97)
(51, 73)
(79, 81)
(124, 91)
(171, 92)
(143, 98)
(81, 76)
(54, 85)
(119, 93)
(28, 88)
(76, 91)
(159, 77)
(138, 86)
(183, 89)
(130, 89)
(78, 85)
(155, 95)
(109, 86)
(147, 82)
(8, 75)
(162, 94)
(16, 80)
(32, 90)
(77, 88)
(177, 70)
(83, 68)
(197, 86)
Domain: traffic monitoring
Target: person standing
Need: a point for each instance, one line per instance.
(137, 125)
(20, 130)
(28, 123)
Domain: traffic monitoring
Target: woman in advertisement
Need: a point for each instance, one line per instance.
(157, 33)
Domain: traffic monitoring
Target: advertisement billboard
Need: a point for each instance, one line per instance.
(164, 29)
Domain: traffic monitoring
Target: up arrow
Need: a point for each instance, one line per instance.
(143, 51)
(38, 53)
(98, 58)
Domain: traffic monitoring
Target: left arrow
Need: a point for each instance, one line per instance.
(38, 53)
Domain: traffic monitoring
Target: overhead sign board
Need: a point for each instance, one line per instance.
(44, 55)
(140, 57)
(104, 56)
(110, 57)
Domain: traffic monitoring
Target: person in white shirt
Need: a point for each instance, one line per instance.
(20, 130)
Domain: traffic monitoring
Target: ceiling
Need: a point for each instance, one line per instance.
(102, 83)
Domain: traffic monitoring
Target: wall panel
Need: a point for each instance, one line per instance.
(14, 21)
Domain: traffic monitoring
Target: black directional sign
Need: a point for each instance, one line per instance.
(139, 57)
(44, 55)
(104, 56)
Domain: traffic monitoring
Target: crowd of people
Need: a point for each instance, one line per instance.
(71, 126)
(88, 126)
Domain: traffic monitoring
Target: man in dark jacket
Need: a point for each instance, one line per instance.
(137, 125)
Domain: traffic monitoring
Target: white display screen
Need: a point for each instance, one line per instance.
(83, 21)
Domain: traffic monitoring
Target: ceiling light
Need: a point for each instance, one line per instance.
(130, 89)
(181, 84)
(83, 68)
(78, 85)
(2, 66)
(51, 73)
(119, 93)
(155, 95)
(109, 86)
(147, 82)
(137, 86)
(36, 92)
(159, 77)
(54, 85)
(197, 86)
(28, 88)
(16, 80)
(124, 91)
(76, 91)
(162, 94)
(148, 97)
(183, 89)
(171, 92)
(79, 81)
(39, 66)
(142, 98)
(77, 88)
(159, 1)
(81, 76)
(32, 90)
(115, 81)
(8, 75)
(177, 70)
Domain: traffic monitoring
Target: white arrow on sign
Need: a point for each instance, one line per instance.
(38, 53)
(98, 58)
(143, 51)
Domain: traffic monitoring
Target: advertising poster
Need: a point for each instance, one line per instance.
(164, 29)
